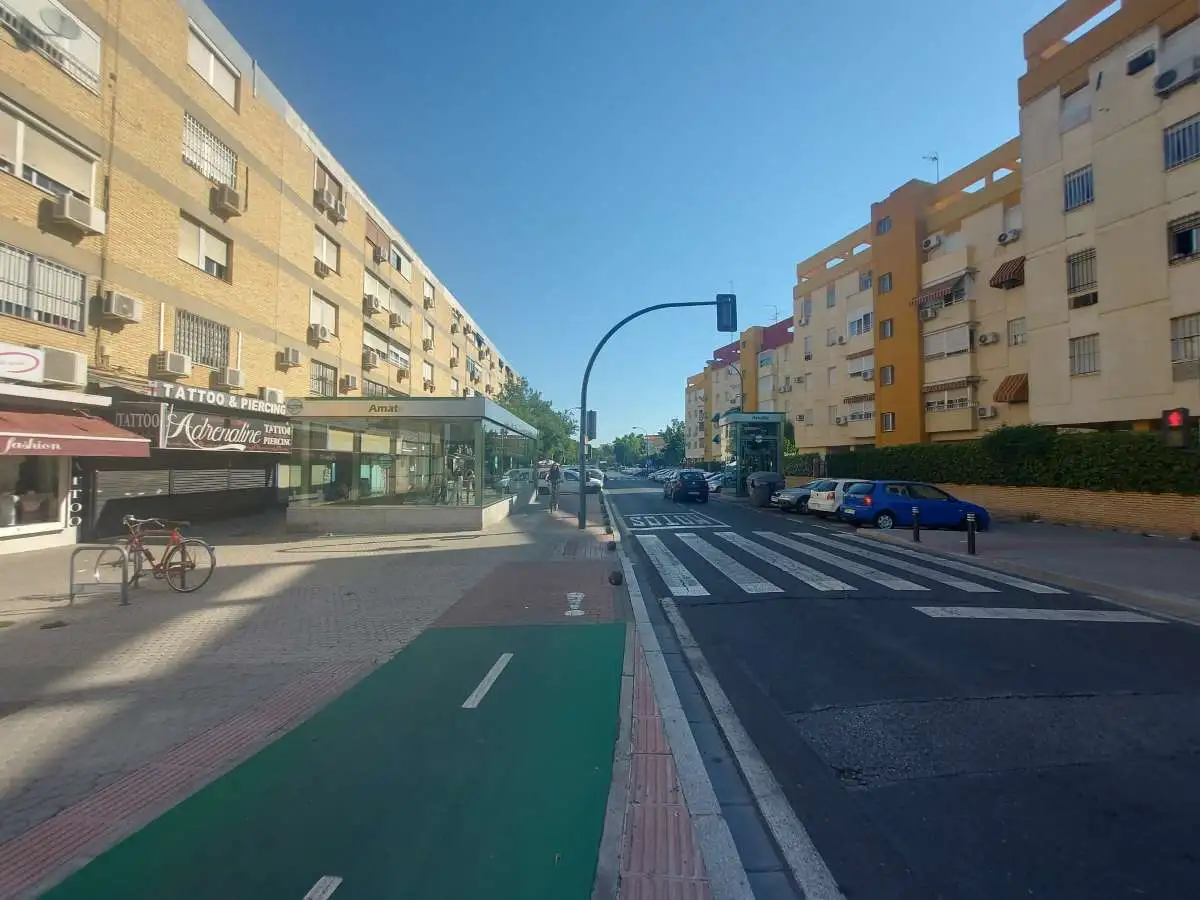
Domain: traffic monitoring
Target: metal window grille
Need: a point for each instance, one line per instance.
(1016, 331)
(1078, 188)
(322, 380)
(1081, 271)
(959, 398)
(1185, 338)
(204, 152)
(1085, 354)
(40, 290)
(206, 342)
(864, 280)
(1181, 142)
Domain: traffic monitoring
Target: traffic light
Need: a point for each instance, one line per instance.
(591, 425)
(1177, 428)
(727, 312)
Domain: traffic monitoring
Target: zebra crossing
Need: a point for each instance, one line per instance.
(819, 562)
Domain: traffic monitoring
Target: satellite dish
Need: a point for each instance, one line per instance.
(59, 23)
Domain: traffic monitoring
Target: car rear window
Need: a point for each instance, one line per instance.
(862, 487)
(824, 485)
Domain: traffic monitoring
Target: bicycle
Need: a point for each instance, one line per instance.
(181, 556)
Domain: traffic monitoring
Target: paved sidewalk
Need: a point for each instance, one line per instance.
(1155, 573)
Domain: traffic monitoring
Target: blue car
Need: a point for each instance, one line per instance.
(890, 504)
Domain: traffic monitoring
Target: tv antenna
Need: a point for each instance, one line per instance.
(774, 310)
(937, 164)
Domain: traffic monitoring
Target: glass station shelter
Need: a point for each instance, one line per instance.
(388, 464)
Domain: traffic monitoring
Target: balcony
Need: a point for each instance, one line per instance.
(954, 367)
(943, 420)
(861, 429)
(947, 265)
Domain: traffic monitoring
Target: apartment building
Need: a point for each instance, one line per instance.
(1110, 134)
(697, 420)
(179, 250)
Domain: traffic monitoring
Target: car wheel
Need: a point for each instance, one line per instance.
(885, 521)
(703, 499)
(802, 508)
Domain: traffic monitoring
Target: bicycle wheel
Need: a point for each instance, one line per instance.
(188, 565)
(108, 565)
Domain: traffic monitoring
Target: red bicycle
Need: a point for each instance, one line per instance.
(186, 564)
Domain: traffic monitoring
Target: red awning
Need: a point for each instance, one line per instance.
(1010, 274)
(937, 292)
(53, 434)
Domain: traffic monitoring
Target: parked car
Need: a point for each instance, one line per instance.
(794, 499)
(687, 484)
(888, 504)
(570, 483)
(715, 483)
(825, 498)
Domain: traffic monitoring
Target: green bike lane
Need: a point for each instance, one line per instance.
(395, 790)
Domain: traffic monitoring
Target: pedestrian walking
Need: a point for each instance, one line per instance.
(555, 478)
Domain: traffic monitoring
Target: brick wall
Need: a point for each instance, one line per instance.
(1161, 513)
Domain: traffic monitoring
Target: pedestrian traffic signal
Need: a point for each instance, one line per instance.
(591, 425)
(727, 312)
(1177, 428)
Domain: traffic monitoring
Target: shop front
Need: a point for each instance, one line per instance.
(49, 437)
(423, 464)
(213, 455)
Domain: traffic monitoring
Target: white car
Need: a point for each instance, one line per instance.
(826, 497)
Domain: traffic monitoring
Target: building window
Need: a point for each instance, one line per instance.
(861, 325)
(888, 421)
(427, 330)
(1078, 188)
(203, 249)
(887, 375)
(831, 413)
(398, 356)
(322, 380)
(323, 312)
(1085, 354)
(35, 153)
(1185, 338)
(40, 291)
(831, 336)
(375, 287)
(426, 371)
(211, 65)
(402, 308)
(885, 283)
(830, 296)
(1016, 332)
(326, 182)
(401, 263)
(884, 225)
(805, 310)
(455, 387)
(948, 341)
(1181, 143)
(373, 340)
(375, 389)
(204, 152)
(203, 341)
(326, 250)
(864, 280)
(808, 345)
(886, 328)
(429, 295)
(831, 375)
(1183, 239)
(1081, 279)
(940, 401)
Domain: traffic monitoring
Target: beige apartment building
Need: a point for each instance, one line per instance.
(171, 228)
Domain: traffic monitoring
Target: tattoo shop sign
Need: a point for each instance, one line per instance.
(183, 429)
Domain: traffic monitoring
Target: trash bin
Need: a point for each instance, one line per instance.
(762, 485)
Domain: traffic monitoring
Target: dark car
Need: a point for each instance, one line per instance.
(887, 504)
(794, 499)
(687, 484)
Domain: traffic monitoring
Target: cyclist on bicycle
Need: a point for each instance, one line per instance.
(554, 476)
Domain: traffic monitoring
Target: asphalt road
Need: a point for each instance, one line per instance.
(934, 738)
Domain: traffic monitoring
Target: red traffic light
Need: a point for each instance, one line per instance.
(1175, 418)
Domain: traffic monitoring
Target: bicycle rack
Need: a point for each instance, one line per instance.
(74, 589)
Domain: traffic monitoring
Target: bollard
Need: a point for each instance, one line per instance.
(916, 525)
(971, 533)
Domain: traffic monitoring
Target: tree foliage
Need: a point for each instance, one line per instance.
(674, 443)
(629, 449)
(556, 428)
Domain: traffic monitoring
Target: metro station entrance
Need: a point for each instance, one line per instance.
(754, 441)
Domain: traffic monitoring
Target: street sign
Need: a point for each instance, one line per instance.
(727, 312)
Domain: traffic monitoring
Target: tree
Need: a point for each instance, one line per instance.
(629, 449)
(556, 428)
(674, 443)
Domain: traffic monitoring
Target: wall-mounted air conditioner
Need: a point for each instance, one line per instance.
(931, 243)
(371, 358)
(349, 383)
(65, 367)
(170, 363)
(1007, 237)
(272, 395)
(868, 374)
(840, 420)
(427, 344)
(372, 305)
(289, 357)
(928, 313)
(231, 378)
(987, 412)
(226, 201)
(988, 337)
(122, 307)
(322, 268)
(79, 214)
(323, 200)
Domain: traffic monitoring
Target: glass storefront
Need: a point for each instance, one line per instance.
(32, 489)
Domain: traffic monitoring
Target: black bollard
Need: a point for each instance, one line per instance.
(971, 533)
(916, 525)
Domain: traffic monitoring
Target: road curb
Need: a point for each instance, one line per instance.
(1179, 609)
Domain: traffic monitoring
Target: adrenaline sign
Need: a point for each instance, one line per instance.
(673, 520)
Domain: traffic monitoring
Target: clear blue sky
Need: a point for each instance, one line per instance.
(560, 163)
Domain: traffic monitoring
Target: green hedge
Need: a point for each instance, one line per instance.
(802, 464)
(1033, 456)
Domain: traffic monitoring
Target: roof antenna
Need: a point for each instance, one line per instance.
(937, 164)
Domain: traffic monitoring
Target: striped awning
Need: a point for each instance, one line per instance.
(1010, 274)
(1013, 389)
(858, 354)
(950, 385)
(937, 292)
(858, 398)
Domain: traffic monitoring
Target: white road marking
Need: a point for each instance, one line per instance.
(923, 571)
(747, 579)
(978, 572)
(324, 888)
(489, 679)
(1052, 615)
(672, 520)
(675, 575)
(811, 577)
(863, 571)
(676, 527)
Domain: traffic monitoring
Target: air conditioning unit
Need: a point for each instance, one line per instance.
(319, 333)
(841, 340)
(402, 372)
(454, 328)
(323, 200)
(466, 392)
(803, 321)
(123, 307)
(429, 304)
(429, 386)
(799, 417)
(272, 395)
(928, 313)
(226, 201)
(379, 255)
(1173, 79)
(931, 243)
(169, 363)
(427, 344)
(840, 420)
(372, 305)
(1007, 237)
(79, 214)
(371, 358)
(988, 337)
(454, 362)
(322, 268)
(339, 211)
(395, 320)
(868, 374)
(807, 357)
(289, 357)
(66, 367)
(231, 378)
(987, 412)
(349, 383)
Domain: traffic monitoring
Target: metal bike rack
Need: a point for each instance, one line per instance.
(73, 589)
